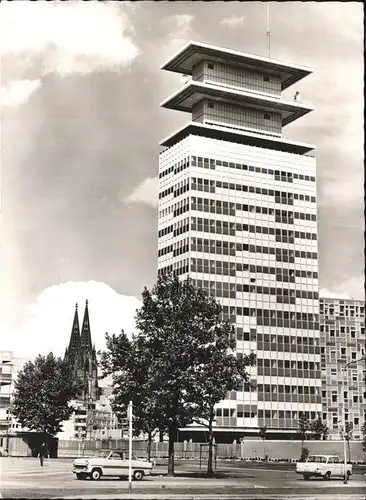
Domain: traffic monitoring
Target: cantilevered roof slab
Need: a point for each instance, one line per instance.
(193, 92)
(238, 136)
(194, 52)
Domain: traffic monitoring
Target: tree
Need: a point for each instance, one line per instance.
(363, 430)
(219, 372)
(129, 364)
(262, 434)
(181, 328)
(319, 429)
(348, 433)
(303, 427)
(43, 392)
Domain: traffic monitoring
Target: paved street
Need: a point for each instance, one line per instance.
(24, 477)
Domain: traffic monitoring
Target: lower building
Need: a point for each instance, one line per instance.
(10, 366)
(343, 365)
(92, 420)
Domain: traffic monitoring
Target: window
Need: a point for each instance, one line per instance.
(210, 104)
(266, 78)
(267, 116)
(210, 66)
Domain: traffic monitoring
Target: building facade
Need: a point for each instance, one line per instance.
(10, 366)
(6, 387)
(343, 342)
(238, 214)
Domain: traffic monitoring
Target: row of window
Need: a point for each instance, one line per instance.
(240, 77)
(177, 167)
(177, 228)
(280, 196)
(340, 309)
(176, 269)
(231, 412)
(227, 208)
(288, 414)
(288, 389)
(241, 116)
(212, 163)
(216, 266)
(264, 230)
(226, 248)
(294, 348)
(285, 339)
(266, 313)
(217, 285)
(285, 323)
(181, 207)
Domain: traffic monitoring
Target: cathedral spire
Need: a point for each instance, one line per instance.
(86, 342)
(74, 343)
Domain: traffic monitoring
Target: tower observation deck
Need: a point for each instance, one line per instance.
(236, 96)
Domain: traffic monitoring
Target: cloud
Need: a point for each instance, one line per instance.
(48, 325)
(234, 22)
(65, 38)
(18, 92)
(146, 192)
(352, 288)
(179, 27)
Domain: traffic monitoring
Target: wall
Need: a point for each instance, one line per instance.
(251, 449)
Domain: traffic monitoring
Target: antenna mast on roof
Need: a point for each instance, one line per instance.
(268, 32)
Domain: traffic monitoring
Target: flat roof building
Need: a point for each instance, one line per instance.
(238, 214)
(343, 364)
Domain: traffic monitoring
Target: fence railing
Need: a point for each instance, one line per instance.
(250, 449)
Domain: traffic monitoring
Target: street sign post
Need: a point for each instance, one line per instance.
(130, 447)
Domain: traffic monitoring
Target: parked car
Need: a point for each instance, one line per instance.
(110, 463)
(325, 466)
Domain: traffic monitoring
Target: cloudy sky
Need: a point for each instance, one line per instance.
(80, 91)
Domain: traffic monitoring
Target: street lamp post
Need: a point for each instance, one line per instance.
(345, 478)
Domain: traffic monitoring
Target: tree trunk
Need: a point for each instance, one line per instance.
(210, 445)
(349, 451)
(264, 448)
(149, 441)
(172, 433)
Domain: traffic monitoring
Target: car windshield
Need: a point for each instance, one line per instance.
(315, 458)
(101, 454)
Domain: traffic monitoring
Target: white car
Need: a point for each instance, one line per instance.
(110, 463)
(325, 466)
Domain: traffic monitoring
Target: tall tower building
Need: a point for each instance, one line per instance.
(238, 214)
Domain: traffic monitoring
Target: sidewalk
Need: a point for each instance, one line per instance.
(243, 496)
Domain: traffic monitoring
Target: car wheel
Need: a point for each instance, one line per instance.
(348, 474)
(96, 474)
(80, 476)
(327, 476)
(306, 477)
(138, 475)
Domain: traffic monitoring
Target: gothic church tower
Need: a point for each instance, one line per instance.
(82, 356)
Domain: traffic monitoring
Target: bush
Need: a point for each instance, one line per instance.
(304, 454)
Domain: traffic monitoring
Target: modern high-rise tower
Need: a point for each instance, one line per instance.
(238, 214)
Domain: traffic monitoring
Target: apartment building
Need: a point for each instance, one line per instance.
(343, 347)
(238, 214)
